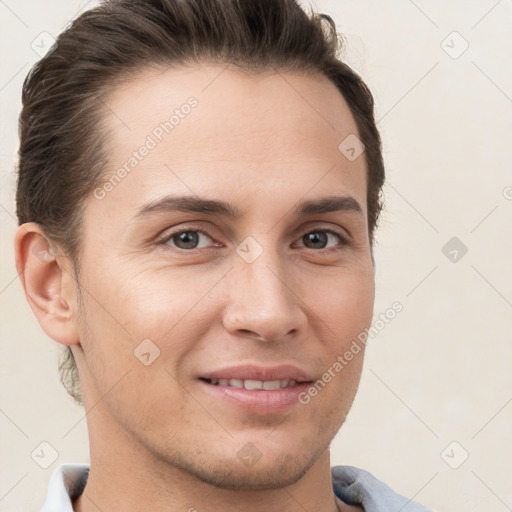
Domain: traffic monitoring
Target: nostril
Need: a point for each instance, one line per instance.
(253, 334)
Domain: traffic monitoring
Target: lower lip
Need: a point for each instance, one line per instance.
(258, 401)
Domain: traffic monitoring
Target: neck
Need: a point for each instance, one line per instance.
(124, 475)
(127, 474)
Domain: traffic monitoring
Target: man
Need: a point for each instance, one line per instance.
(199, 183)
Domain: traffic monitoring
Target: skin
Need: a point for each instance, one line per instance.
(260, 142)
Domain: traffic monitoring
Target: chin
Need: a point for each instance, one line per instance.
(250, 473)
(254, 478)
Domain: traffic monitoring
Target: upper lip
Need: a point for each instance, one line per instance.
(254, 372)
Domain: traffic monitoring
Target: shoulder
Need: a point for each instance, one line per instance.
(357, 486)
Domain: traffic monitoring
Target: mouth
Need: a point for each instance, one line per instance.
(250, 384)
(255, 389)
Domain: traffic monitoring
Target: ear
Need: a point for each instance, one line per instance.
(47, 277)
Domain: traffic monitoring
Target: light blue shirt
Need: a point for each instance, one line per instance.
(352, 485)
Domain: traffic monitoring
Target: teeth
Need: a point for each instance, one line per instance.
(273, 384)
(236, 383)
(254, 384)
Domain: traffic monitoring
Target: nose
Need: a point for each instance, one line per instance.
(262, 303)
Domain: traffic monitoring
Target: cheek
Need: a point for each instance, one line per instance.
(344, 303)
(123, 308)
(170, 305)
(345, 311)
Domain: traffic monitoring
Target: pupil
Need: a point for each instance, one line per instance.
(189, 239)
(315, 238)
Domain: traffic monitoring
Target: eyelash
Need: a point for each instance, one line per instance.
(164, 241)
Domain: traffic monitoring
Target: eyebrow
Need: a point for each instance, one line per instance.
(195, 204)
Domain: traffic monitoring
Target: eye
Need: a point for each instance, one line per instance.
(192, 239)
(186, 239)
(319, 239)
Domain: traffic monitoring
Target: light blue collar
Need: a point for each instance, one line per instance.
(359, 487)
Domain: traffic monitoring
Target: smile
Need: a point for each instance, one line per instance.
(253, 384)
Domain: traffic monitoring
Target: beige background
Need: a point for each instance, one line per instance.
(440, 371)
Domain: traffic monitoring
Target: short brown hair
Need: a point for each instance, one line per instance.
(62, 155)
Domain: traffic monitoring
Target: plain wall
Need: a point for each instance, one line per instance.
(439, 372)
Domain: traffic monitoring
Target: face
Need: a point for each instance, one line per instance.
(261, 275)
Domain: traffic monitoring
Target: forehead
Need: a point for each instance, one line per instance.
(225, 96)
(211, 127)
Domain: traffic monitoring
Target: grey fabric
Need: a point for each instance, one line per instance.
(359, 487)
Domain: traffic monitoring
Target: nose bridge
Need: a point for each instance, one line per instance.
(261, 301)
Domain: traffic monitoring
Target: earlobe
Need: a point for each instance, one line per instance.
(46, 278)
